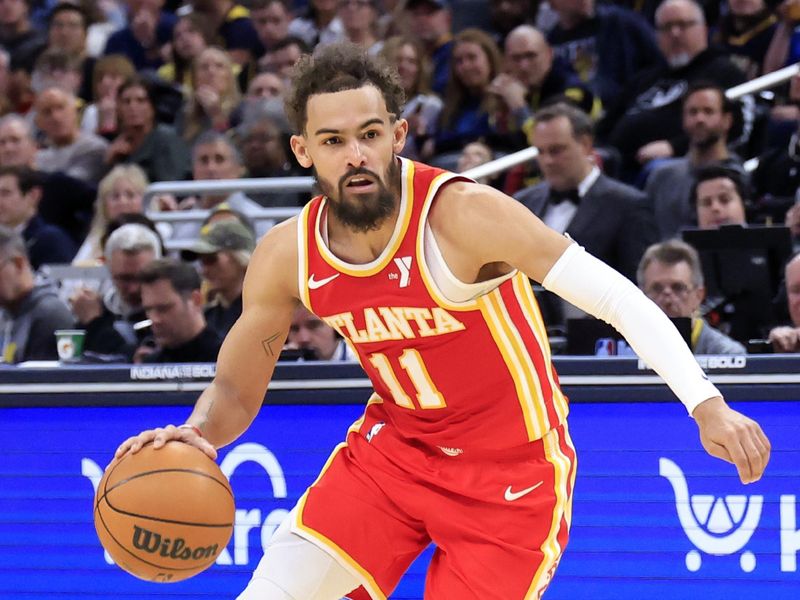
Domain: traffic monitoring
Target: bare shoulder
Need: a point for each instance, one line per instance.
(475, 213)
(489, 226)
(272, 271)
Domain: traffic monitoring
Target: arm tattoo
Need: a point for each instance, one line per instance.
(267, 344)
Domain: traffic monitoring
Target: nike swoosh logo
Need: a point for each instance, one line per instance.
(511, 496)
(314, 284)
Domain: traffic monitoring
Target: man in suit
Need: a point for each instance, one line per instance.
(20, 193)
(610, 219)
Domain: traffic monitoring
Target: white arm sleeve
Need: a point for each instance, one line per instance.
(596, 288)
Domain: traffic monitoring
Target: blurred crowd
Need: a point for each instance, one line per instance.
(628, 104)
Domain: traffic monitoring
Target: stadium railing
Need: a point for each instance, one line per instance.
(284, 184)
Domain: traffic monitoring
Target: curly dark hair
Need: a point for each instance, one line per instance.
(336, 68)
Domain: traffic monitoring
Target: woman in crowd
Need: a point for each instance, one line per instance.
(422, 107)
(360, 22)
(215, 94)
(120, 192)
(475, 62)
(192, 35)
(108, 74)
(156, 148)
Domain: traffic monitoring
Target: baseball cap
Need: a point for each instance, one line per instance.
(228, 235)
(440, 4)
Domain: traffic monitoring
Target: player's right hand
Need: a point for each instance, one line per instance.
(161, 436)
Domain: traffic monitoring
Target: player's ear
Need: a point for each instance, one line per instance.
(300, 150)
(400, 132)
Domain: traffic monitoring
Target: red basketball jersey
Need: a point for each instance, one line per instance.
(475, 374)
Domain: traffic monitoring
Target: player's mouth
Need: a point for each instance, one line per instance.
(361, 184)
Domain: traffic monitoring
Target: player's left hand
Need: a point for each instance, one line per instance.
(729, 435)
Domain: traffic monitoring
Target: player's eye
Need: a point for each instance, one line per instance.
(331, 141)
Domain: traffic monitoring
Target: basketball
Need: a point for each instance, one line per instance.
(164, 515)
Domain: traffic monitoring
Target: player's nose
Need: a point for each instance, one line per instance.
(355, 154)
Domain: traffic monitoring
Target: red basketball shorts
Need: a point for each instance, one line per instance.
(500, 520)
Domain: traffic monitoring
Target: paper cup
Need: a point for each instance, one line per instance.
(70, 344)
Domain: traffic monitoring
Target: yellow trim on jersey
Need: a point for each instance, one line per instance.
(399, 233)
(302, 256)
(518, 362)
(550, 548)
(373, 399)
(314, 536)
(427, 276)
(568, 440)
(524, 295)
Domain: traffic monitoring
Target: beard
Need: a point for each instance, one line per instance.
(706, 141)
(368, 211)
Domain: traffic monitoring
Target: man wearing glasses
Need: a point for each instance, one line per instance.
(646, 122)
(671, 276)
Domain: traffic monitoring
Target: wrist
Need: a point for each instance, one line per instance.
(708, 408)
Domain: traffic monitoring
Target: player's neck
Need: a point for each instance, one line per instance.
(358, 246)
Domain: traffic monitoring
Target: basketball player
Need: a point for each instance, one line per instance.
(465, 441)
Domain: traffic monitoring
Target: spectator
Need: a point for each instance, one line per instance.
(233, 26)
(56, 69)
(282, 57)
(431, 22)
(784, 48)
(32, 312)
(160, 152)
(787, 338)
(532, 79)
(108, 75)
(607, 217)
(214, 157)
(120, 192)
(507, 15)
(606, 45)
(6, 105)
(17, 146)
(215, 94)
(319, 25)
(707, 120)
(261, 139)
(315, 339)
(360, 23)
(422, 107)
(265, 86)
(271, 20)
(476, 61)
(18, 36)
(20, 193)
(778, 172)
(192, 34)
(70, 150)
(66, 202)
(224, 250)
(745, 33)
(148, 31)
(671, 276)
(67, 27)
(104, 18)
(473, 155)
(721, 197)
(109, 319)
(644, 123)
(173, 302)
